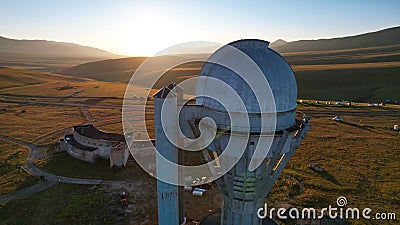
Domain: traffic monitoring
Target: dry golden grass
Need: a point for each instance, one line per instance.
(340, 51)
(88, 88)
(360, 157)
(345, 66)
(11, 176)
(113, 128)
(38, 121)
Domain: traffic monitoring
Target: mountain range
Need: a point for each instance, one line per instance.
(363, 67)
(386, 37)
(43, 49)
(380, 46)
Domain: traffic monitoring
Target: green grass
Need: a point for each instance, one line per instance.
(61, 204)
(65, 165)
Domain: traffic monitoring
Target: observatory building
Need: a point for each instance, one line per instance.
(88, 144)
(273, 136)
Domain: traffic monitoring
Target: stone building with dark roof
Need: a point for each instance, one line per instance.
(88, 143)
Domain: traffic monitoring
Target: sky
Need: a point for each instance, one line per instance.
(145, 27)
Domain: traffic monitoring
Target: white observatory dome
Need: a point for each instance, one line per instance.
(273, 66)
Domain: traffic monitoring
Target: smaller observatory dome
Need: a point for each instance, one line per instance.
(276, 70)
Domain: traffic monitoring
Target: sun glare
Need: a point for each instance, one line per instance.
(147, 33)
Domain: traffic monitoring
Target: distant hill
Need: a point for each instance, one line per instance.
(361, 68)
(42, 49)
(386, 37)
(121, 70)
(277, 43)
(106, 70)
(357, 49)
(18, 77)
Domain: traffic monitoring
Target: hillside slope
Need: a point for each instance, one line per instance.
(368, 73)
(121, 70)
(12, 48)
(386, 37)
(277, 43)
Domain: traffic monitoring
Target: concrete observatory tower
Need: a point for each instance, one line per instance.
(274, 132)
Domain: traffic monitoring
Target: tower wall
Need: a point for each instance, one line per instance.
(169, 196)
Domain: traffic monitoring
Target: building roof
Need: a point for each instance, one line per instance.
(88, 130)
(69, 138)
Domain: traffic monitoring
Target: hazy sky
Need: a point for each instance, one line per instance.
(145, 27)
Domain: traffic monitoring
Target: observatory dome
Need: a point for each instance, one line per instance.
(272, 65)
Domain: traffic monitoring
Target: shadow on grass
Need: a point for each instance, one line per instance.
(329, 177)
(62, 164)
(29, 181)
(363, 127)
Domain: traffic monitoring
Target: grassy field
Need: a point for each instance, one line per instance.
(61, 204)
(364, 74)
(360, 155)
(64, 165)
(36, 122)
(359, 74)
(345, 56)
(363, 85)
(30, 122)
(11, 175)
(42, 64)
